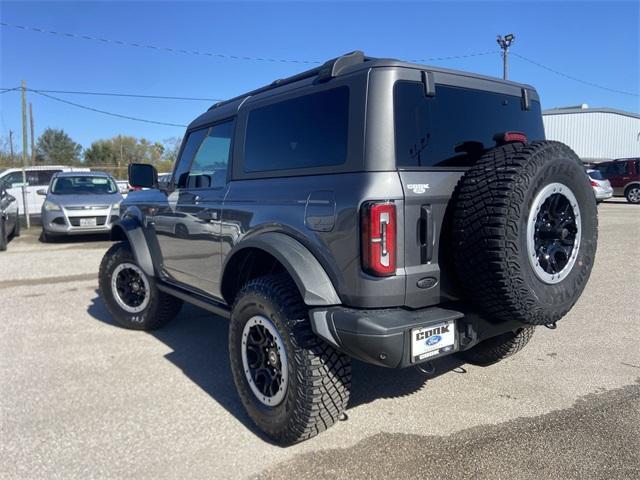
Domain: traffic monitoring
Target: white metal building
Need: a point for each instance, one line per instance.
(595, 134)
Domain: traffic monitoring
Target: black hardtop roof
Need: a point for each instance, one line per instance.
(348, 63)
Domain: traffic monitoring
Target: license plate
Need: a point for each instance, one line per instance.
(88, 222)
(432, 341)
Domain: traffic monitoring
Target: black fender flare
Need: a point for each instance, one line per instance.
(312, 280)
(129, 228)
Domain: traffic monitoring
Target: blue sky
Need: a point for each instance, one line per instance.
(594, 41)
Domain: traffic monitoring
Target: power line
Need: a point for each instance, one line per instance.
(104, 112)
(156, 47)
(117, 94)
(575, 79)
(5, 90)
(452, 57)
(209, 54)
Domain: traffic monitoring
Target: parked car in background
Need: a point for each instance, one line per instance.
(601, 186)
(624, 175)
(9, 218)
(123, 186)
(79, 203)
(164, 179)
(36, 177)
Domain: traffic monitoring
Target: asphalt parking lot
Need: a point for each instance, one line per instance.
(81, 397)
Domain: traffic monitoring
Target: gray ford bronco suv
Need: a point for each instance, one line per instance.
(368, 208)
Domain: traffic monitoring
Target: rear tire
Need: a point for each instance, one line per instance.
(632, 194)
(130, 295)
(498, 348)
(311, 379)
(525, 232)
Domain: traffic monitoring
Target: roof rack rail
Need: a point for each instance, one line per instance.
(328, 70)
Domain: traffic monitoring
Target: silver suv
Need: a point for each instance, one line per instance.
(79, 203)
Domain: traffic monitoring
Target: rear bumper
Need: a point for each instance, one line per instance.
(603, 193)
(383, 336)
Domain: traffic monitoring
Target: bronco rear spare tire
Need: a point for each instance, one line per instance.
(525, 232)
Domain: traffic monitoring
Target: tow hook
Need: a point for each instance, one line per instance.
(428, 368)
(551, 325)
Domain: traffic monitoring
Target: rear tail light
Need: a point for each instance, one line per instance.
(594, 184)
(378, 229)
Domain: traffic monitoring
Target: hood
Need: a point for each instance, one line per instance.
(84, 199)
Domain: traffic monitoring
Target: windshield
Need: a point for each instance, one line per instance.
(595, 174)
(83, 184)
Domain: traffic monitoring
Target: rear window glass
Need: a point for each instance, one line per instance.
(595, 174)
(457, 125)
(304, 132)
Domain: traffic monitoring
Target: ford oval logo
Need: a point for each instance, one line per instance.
(433, 340)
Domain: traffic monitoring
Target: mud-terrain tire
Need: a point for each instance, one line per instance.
(498, 348)
(509, 259)
(148, 310)
(312, 379)
(3, 234)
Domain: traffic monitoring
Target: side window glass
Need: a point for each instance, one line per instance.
(14, 178)
(617, 168)
(211, 161)
(32, 177)
(189, 150)
(309, 131)
(44, 176)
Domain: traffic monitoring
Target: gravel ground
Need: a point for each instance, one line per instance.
(81, 397)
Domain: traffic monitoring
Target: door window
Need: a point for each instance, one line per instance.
(205, 157)
(43, 177)
(617, 168)
(13, 178)
(209, 166)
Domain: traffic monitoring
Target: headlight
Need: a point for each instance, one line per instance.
(115, 206)
(51, 207)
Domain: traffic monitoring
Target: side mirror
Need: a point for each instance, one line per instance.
(42, 191)
(143, 175)
(10, 198)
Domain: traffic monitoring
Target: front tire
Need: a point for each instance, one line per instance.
(498, 348)
(3, 234)
(130, 295)
(16, 228)
(292, 384)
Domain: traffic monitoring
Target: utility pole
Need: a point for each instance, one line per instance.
(33, 147)
(13, 160)
(24, 154)
(505, 43)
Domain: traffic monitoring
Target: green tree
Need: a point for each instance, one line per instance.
(101, 152)
(121, 150)
(56, 147)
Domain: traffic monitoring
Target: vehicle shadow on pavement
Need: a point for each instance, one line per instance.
(370, 383)
(198, 340)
